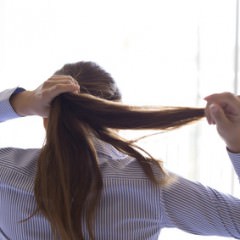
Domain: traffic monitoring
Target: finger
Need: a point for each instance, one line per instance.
(58, 78)
(229, 102)
(63, 81)
(218, 116)
(58, 89)
(208, 115)
(221, 98)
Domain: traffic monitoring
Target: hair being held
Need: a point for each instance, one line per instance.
(68, 184)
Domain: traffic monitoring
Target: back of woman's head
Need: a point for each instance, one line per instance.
(92, 79)
(69, 182)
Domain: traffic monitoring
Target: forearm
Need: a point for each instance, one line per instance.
(38, 101)
(22, 104)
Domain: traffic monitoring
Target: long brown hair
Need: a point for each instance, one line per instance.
(69, 183)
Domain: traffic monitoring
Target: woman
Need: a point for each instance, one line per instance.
(88, 183)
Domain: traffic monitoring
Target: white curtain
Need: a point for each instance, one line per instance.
(161, 52)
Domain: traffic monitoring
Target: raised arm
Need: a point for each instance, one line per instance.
(18, 102)
(202, 210)
(37, 102)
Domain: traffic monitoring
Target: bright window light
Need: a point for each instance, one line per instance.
(161, 52)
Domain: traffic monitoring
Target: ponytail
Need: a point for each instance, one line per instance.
(68, 183)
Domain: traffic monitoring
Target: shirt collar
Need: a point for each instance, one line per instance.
(107, 150)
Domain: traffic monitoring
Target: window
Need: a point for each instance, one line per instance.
(166, 52)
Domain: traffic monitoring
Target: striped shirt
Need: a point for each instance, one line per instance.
(131, 207)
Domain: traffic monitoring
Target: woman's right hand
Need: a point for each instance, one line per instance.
(223, 110)
(38, 101)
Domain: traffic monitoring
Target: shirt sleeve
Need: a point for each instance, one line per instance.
(201, 210)
(197, 209)
(235, 158)
(6, 110)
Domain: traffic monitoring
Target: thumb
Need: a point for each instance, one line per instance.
(218, 115)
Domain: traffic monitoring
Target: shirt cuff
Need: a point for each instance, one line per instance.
(6, 110)
(235, 159)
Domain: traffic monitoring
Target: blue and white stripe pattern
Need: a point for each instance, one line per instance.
(131, 208)
(6, 111)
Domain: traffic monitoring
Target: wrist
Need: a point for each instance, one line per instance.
(21, 103)
(234, 148)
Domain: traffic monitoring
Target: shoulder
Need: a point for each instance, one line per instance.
(21, 161)
(18, 168)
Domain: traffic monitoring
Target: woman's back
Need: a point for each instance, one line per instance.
(129, 207)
